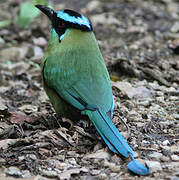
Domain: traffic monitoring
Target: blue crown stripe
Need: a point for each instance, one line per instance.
(77, 20)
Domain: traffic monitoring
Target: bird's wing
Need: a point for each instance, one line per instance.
(83, 84)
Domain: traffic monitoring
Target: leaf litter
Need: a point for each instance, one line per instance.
(139, 42)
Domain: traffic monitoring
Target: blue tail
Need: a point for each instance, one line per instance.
(114, 139)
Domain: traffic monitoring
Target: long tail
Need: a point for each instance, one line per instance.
(114, 139)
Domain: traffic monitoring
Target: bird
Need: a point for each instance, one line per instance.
(77, 81)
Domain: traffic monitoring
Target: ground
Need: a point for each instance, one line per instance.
(139, 41)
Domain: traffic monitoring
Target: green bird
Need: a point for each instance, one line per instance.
(76, 79)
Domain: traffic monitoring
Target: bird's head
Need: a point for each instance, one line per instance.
(66, 19)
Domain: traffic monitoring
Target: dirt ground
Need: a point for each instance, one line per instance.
(139, 41)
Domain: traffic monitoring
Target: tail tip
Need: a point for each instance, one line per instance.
(137, 168)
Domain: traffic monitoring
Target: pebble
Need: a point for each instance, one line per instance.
(165, 159)
(115, 169)
(165, 143)
(13, 171)
(153, 166)
(13, 53)
(28, 108)
(102, 176)
(26, 174)
(159, 93)
(175, 157)
(95, 172)
(156, 155)
(174, 178)
(48, 173)
(176, 116)
(98, 155)
(160, 99)
(40, 41)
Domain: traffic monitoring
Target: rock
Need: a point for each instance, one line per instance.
(144, 102)
(108, 164)
(38, 53)
(174, 149)
(40, 41)
(51, 173)
(95, 172)
(102, 176)
(13, 53)
(28, 108)
(165, 143)
(174, 157)
(3, 107)
(174, 178)
(115, 169)
(165, 159)
(13, 171)
(131, 92)
(98, 155)
(26, 174)
(43, 97)
(108, 18)
(175, 27)
(153, 166)
(176, 116)
(93, 5)
(160, 99)
(155, 155)
(14, 66)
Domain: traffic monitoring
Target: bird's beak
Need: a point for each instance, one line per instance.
(46, 10)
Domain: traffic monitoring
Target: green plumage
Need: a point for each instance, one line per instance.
(77, 81)
(76, 66)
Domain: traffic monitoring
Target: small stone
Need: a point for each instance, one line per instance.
(102, 176)
(159, 93)
(160, 99)
(92, 5)
(153, 166)
(13, 53)
(108, 164)
(174, 149)
(131, 92)
(3, 107)
(28, 108)
(165, 158)
(98, 155)
(38, 52)
(175, 27)
(174, 178)
(176, 116)
(144, 103)
(115, 169)
(2, 160)
(40, 41)
(26, 174)
(49, 173)
(95, 172)
(113, 174)
(155, 155)
(175, 157)
(140, 124)
(173, 98)
(165, 143)
(13, 171)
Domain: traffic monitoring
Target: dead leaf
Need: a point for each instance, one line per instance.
(19, 117)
